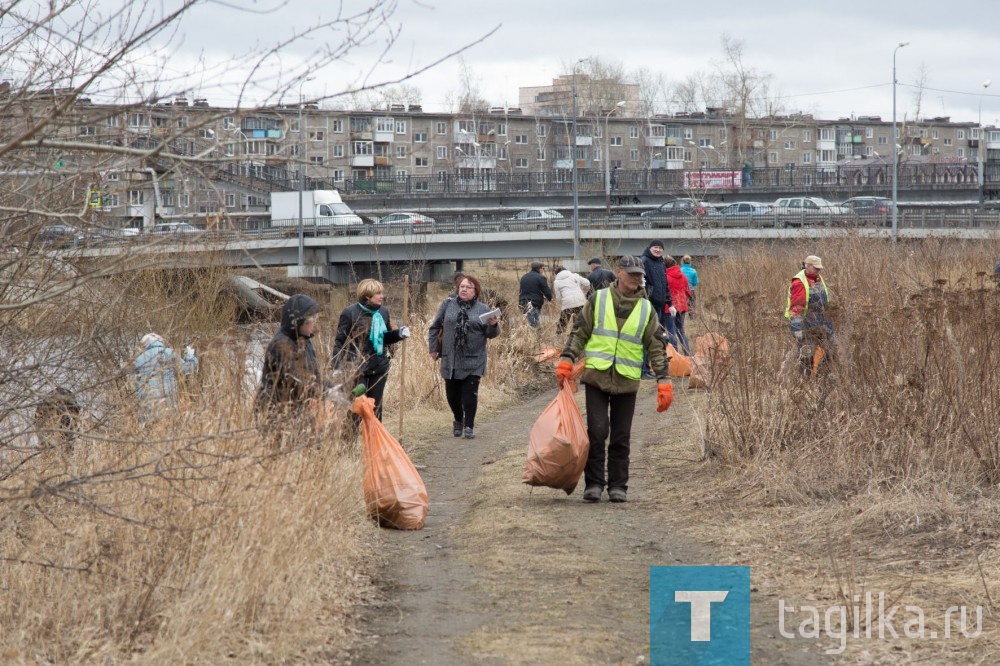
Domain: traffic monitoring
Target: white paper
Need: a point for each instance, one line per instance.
(489, 315)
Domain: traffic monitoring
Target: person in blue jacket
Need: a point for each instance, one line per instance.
(155, 373)
(692, 275)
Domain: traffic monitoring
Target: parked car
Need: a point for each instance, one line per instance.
(685, 212)
(808, 210)
(61, 235)
(869, 210)
(175, 228)
(538, 218)
(746, 214)
(402, 222)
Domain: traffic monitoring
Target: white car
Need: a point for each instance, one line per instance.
(175, 228)
(416, 223)
(538, 218)
(809, 210)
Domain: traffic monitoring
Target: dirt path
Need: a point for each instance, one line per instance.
(506, 574)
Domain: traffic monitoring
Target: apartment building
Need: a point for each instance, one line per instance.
(190, 158)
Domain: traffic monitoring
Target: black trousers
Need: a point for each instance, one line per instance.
(463, 398)
(375, 389)
(608, 414)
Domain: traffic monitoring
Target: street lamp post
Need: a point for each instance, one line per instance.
(576, 187)
(895, 149)
(607, 158)
(302, 180)
(981, 150)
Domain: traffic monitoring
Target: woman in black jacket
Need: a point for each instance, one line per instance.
(364, 333)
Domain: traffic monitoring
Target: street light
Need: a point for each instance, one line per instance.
(607, 157)
(576, 186)
(302, 181)
(895, 153)
(982, 141)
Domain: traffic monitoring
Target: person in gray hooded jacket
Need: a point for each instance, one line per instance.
(462, 350)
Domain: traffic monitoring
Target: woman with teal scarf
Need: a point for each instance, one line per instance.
(363, 334)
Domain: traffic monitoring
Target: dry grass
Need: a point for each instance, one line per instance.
(883, 477)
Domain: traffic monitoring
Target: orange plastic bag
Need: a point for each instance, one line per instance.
(710, 360)
(558, 444)
(680, 365)
(394, 492)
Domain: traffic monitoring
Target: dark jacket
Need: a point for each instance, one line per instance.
(656, 280)
(534, 289)
(472, 359)
(600, 278)
(352, 347)
(609, 380)
(290, 374)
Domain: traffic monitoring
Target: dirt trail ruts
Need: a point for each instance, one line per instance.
(506, 574)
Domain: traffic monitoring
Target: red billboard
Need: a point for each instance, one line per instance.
(713, 179)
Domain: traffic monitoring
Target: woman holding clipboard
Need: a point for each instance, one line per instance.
(457, 336)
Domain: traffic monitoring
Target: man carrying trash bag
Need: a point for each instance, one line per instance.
(611, 332)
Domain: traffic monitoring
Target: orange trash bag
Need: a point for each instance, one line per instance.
(557, 444)
(394, 492)
(680, 365)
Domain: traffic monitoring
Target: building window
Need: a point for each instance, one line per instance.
(400, 151)
(869, 151)
(597, 154)
(361, 148)
(420, 137)
(883, 140)
(633, 132)
(317, 159)
(442, 152)
(934, 134)
(182, 122)
(521, 138)
(961, 135)
(135, 197)
(230, 200)
(206, 133)
(961, 152)
(185, 200)
(293, 125)
(337, 126)
(113, 176)
(807, 157)
(338, 150)
(338, 175)
(869, 132)
(421, 186)
(615, 141)
(807, 136)
(634, 154)
(688, 133)
(502, 153)
(947, 141)
(501, 129)
(421, 161)
(384, 125)
(231, 149)
(402, 175)
(790, 144)
(521, 163)
(772, 158)
(228, 123)
(704, 143)
(400, 127)
(440, 128)
(88, 130)
(442, 176)
(317, 135)
(540, 154)
(110, 200)
(114, 121)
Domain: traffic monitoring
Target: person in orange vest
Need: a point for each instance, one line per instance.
(805, 308)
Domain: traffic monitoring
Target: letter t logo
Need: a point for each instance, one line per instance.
(701, 610)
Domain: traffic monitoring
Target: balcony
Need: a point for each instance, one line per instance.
(655, 141)
(363, 160)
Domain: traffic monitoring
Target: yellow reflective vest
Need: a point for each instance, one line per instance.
(801, 275)
(609, 346)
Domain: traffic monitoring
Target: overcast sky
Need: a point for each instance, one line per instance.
(833, 59)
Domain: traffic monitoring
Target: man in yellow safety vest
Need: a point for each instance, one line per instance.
(611, 332)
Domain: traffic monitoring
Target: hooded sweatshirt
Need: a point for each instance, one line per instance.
(290, 374)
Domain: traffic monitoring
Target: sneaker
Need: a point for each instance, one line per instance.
(470, 433)
(456, 429)
(616, 494)
(592, 494)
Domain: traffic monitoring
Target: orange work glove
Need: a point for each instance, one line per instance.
(564, 370)
(664, 396)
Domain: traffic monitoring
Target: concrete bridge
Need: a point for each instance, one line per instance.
(347, 258)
